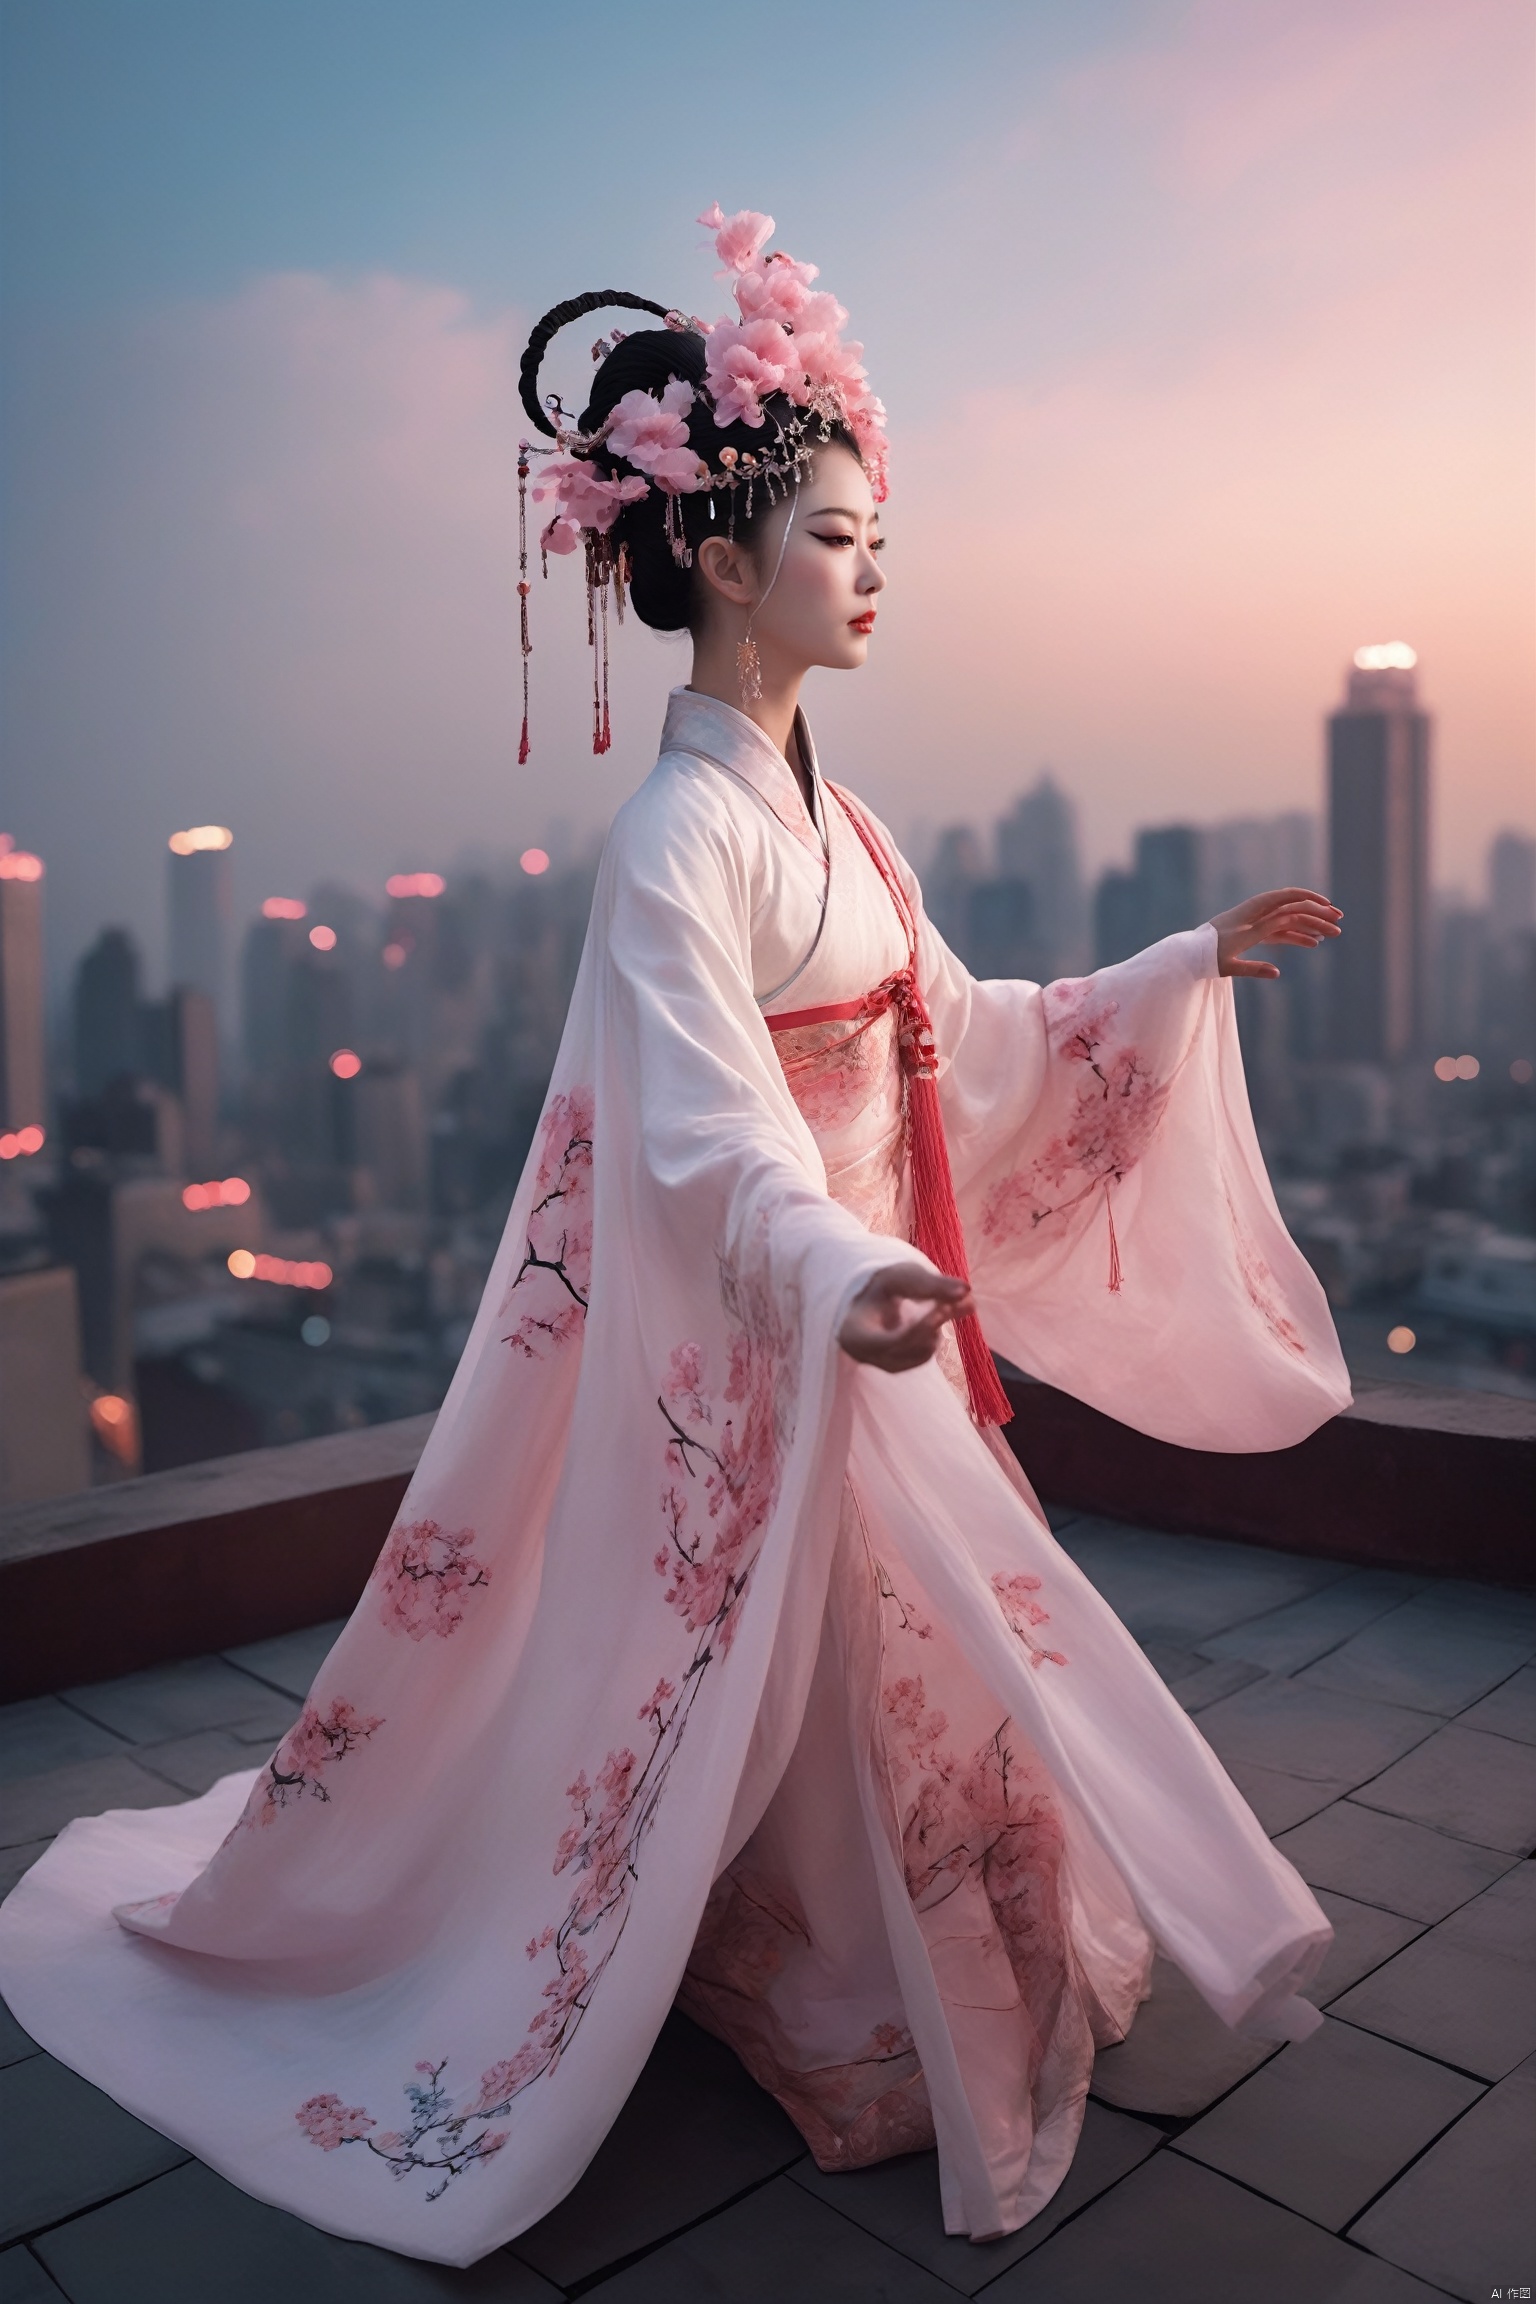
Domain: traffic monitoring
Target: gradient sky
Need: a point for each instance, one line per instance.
(1205, 326)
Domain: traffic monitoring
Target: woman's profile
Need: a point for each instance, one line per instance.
(721, 1653)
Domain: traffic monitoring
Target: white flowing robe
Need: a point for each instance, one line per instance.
(700, 1658)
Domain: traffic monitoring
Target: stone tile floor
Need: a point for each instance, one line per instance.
(1384, 1728)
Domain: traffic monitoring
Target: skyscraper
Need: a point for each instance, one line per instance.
(1511, 884)
(1378, 864)
(202, 911)
(22, 1089)
(108, 1037)
(1037, 843)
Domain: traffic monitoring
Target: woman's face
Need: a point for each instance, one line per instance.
(820, 607)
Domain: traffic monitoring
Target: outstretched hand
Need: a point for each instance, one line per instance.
(895, 1319)
(1280, 916)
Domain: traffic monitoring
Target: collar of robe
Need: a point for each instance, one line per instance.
(718, 732)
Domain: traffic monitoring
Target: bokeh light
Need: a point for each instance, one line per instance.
(323, 939)
(1401, 1339)
(414, 884)
(18, 864)
(1522, 1071)
(225, 1192)
(21, 1143)
(534, 860)
(201, 837)
(346, 1064)
(280, 1271)
(282, 908)
(395, 955)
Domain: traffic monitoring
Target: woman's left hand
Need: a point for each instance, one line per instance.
(1280, 916)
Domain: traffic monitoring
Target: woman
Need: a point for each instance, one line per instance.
(721, 1651)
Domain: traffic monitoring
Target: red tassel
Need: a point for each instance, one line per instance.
(937, 1232)
(1114, 1245)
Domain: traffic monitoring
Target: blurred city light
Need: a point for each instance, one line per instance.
(116, 1426)
(316, 1330)
(21, 1143)
(230, 1192)
(346, 1064)
(283, 908)
(1401, 1339)
(395, 955)
(323, 939)
(414, 884)
(18, 864)
(1457, 1068)
(1386, 656)
(278, 1270)
(534, 860)
(1522, 1071)
(199, 836)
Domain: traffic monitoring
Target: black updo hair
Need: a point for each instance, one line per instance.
(665, 595)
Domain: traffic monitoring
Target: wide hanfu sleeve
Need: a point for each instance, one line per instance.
(1123, 1236)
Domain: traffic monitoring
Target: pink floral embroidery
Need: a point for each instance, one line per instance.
(599, 1850)
(1117, 1105)
(852, 2113)
(315, 1743)
(328, 2122)
(706, 1579)
(557, 1257)
(437, 2138)
(423, 1574)
(1261, 1286)
(1023, 1612)
(988, 1820)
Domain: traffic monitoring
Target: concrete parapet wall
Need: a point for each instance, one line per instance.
(244, 1547)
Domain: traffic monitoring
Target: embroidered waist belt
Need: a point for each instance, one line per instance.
(936, 1227)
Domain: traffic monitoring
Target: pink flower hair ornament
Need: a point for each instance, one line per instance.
(784, 343)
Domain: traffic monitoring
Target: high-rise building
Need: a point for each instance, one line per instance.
(181, 1051)
(23, 1091)
(1512, 884)
(1378, 859)
(1157, 898)
(202, 913)
(108, 1041)
(1037, 843)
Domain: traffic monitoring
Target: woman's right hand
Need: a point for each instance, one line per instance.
(895, 1319)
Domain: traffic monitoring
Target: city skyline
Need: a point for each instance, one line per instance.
(1225, 380)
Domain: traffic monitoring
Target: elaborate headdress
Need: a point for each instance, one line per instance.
(781, 368)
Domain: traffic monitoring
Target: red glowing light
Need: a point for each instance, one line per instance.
(21, 1143)
(279, 1270)
(414, 884)
(346, 1064)
(395, 955)
(16, 864)
(534, 860)
(225, 1192)
(323, 939)
(283, 908)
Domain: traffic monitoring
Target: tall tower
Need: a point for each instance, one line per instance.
(1037, 843)
(22, 1089)
(1378, 851)
(202, 911)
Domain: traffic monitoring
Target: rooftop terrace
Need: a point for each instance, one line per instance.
(1383, 1725)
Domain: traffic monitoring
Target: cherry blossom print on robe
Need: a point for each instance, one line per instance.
(1016, 1598)
(551, 1285)
(1263, 1292)
(426, 1578)
(723, 1456)
(308, 1755)
(630, 1505)
(1118, 1103)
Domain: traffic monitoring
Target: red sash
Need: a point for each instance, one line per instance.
(936, 1227)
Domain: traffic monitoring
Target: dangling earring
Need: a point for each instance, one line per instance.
(749, 669)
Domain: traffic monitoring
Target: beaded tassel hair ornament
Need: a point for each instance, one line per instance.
(780, 368)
